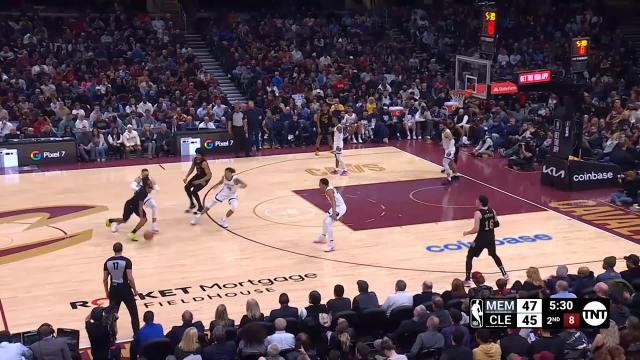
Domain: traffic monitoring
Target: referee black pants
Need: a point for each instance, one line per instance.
(119, 294)
(239, 140)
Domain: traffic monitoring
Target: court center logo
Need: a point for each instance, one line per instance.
(594, 313)
(36, 155)
(39, 244)
(209, 144)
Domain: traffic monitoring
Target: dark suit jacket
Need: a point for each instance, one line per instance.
(285, 311)
(365, 301)
(337, 305)
(409, 327)
(51, 348)
(423, 297)
(176, 332)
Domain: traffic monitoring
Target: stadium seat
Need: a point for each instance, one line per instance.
(455, 304)
(398, 314)
(429, 354)
(350, 316)
(231, 333)
(269, 328)
(156, 349)
(293, 326)
(371, 324)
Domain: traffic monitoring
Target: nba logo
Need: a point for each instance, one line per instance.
(476, 307)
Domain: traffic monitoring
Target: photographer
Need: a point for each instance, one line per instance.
(630, 187)
(524, 159)
(101, 326)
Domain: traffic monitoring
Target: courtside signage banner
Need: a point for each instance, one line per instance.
(507, 241)
(534, 77)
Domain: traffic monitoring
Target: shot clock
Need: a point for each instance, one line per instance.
(579, 53)
(488, 33)
(539, 313)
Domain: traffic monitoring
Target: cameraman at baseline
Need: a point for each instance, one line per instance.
(524, 159)
(629, 193)
(102, 328)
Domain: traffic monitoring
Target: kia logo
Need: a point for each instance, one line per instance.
(551, 170)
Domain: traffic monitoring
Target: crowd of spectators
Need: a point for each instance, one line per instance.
(396, 87)
(117, 73)
(403, 325)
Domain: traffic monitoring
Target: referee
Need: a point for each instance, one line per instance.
(239, 131)
(119, 285)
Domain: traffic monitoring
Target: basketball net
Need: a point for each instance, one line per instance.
(458, 97)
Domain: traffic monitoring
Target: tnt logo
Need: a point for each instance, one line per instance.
(36, 155)
(208, 144)
(595, 313)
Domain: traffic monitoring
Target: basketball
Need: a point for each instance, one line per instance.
(148, 235)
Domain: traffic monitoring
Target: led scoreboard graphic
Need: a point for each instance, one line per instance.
(579, 53)
(539, 313)
(489, 33)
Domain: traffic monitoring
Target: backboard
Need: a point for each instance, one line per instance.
(473, 74)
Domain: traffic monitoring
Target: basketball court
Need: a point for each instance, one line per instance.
(401, 223)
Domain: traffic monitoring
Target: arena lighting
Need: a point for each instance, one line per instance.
(534, 77)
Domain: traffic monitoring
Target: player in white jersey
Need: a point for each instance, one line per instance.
(449, 146)
(354, 129)
(229, 192)
(338, 144)
(337, 211)
(149, 202)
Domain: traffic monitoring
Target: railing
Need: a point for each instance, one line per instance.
(183, 14)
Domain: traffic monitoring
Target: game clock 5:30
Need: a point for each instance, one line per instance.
(561, 305)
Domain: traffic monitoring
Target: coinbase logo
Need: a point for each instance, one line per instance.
(208, 144)
(36, 155)
(461, 245)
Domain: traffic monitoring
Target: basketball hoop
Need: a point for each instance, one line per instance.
(458, 97)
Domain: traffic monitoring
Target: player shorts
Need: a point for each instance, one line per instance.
(197, 177)
(324, 129)
(481, 245)
(231, 198)
(340, 210)
(130, 208)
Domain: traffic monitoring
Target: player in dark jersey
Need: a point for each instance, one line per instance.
(135, 205)
(119, 285)
(324, 125)
(485, 221)
(197, 182)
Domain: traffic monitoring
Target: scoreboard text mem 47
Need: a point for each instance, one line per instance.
(539, 313)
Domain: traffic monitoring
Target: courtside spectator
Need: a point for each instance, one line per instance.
(188, 345)
(86, 149)
(253, 313)
(339, 302)
(315, 310)
(150, 330)
(131, 141)
(513, 343)
(426, 294)
(49, 347)
(365, 299)
(412, 327)
(390, 350)
(601, 290)
(534, 280)
(284, 311)
(221, 318)
(548, 342)
(583, 281)
(102, 331)
(362, 351)
(562, 291)
(608, 264)
(273, 352)
(487, 349)
(562, 273)
(633, 268)
(576, 344)
(458, 351)
(164, 141)
(481, 289)
(457, 291)
(606, 344)
(400, 298)
(115, 143)
(12, 351)
(447, 332)
(284, 340)
(220, 348)
(440, 312)
(501, 288)
(176, 332)
(252, 340)
(430, 339)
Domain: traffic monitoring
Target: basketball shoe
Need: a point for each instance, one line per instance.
(224, 223)
(330, 246)
(133, 236)
(321, 239)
